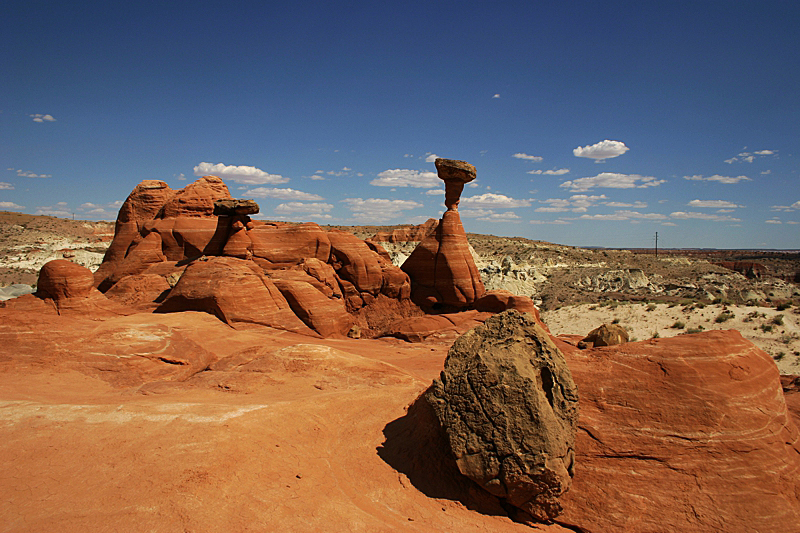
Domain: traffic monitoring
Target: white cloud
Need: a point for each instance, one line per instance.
(554, 172)
(749, 157)
(42, 118)
(625, 215)
(718, 178)
(7, 186)
(54, 211)
(508, 216)
(765, 152)
(378, 209)
(577, 203)
(773, 221)
(10, 205)
(703, 216)
(434, 192)
(497, 95)
(402, 177)
(300, 207)
(239, 174)
(612, 180)
(474, 213)
(602, 150)
(29, 174)
(492, 200)
(669, 224)
(527, 157)
(431, 158)
(792, 222)
(731, 160)
(718, 204)
(558, 221)
(635, 205)
(795, 205)
(283, 194)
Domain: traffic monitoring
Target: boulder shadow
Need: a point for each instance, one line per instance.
(416, 445)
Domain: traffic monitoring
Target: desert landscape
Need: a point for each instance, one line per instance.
(193, 368)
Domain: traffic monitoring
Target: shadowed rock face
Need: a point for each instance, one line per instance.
(508, 404)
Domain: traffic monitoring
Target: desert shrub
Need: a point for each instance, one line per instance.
(615, 321)
(698, 329)
(779, 356)
(783, 306)
(651, 307)
(723, 317)
(672, 304)
(766, 328)
(655, 335)
(678, 325)
(777, 320)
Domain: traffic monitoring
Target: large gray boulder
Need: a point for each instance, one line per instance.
(507, 402)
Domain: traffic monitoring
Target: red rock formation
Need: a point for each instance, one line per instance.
(61, 280)
(748, 269)
(141, 206)
(355, 262)
(689, 433)
(407, 233)
(235, 291)
(281, 245)
(441, 268)
(442, 271)
(499, 300)
(326, 316)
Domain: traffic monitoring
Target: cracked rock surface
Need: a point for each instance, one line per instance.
(509, 407)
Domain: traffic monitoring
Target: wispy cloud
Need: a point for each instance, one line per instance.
(703, 216)
(42, 118)
(10, 205)
(602, 150)
(749, 157)
(403, 177)
(520, 155)
(719, 179)
(718, 204)
(239, 174)
(378, 209)
(434, 192)
(7, 186)
(635, 205)
(496, 95)
(625, 215)
(300, 207)
(577, 203)
(612, 180)
(792, 207)
(557, 221)
(29, 174)
(773, 221)
(431, 158)
(492, 200)
(553, 172)
(508, 216)
(283, 194)
(58, 210)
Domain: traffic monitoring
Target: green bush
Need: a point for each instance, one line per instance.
(777, 320)
(766, 328)
(651, 307)
(678, 325)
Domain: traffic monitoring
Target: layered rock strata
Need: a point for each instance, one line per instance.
(441, 267)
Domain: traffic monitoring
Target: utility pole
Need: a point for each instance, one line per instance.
(656, 245)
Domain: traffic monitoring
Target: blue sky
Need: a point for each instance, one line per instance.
(590, 123)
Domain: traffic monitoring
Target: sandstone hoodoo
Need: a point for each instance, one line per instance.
(509, 407)
(442, 271)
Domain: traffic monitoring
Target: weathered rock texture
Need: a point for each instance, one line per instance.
(689, 433)
(605, 335)
(509, 407)
(297, 277)
(441, 267)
